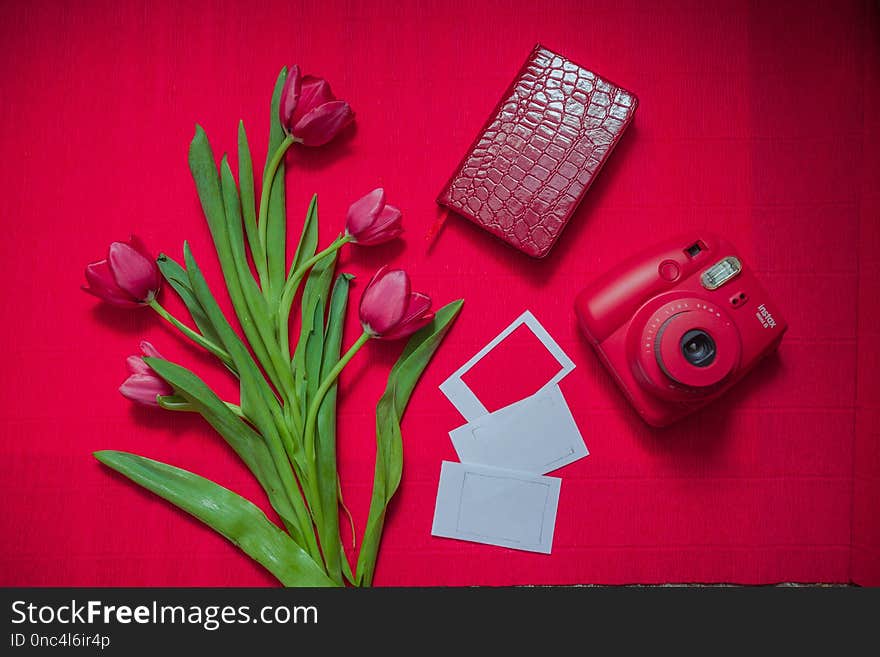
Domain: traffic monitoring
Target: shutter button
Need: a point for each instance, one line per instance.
(669, 270)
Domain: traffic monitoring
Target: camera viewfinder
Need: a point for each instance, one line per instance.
(693, 250)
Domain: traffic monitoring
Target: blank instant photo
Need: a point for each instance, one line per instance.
(537, 434)
(496, 506)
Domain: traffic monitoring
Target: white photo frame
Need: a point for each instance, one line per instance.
(464, 399)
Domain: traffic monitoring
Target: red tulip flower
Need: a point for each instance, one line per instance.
(310, 112)
(144, 385)
(128, 277)
(389, 310)
(371, 221)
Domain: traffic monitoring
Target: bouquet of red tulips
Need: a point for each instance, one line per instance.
(284, 425)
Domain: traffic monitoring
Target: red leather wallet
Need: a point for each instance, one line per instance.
(540, 150)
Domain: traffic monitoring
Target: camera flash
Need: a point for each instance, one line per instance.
(721, 272)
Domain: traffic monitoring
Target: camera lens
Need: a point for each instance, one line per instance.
(698, 348)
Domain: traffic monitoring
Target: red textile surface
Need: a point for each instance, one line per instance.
(756, 120)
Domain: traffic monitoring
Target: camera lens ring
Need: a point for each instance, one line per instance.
(698, 348)
(654, 347)
(658, 342)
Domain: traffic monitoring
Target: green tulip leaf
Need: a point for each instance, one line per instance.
(276, 218)
(305, 249)
(325, 442)
(247, 443)
(251, 310)
(248, 200)
(308, 355)
(204, 172)
(306, 363)
(227, 513)
(308, 238)
(389, 443)
(179, 281)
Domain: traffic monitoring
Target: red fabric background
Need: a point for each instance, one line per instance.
(757, 120)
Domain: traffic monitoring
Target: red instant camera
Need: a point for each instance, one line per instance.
(678, 325)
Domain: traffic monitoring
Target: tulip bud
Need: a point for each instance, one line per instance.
(144, 385)
(371, 221)
(309, 111)
(389, 310)
(127, 278)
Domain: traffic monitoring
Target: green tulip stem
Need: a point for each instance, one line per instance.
(268, 179)
(329, 380)
(198, 338)
(292, 285)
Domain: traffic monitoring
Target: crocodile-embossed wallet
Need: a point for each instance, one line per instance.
(540, 150)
